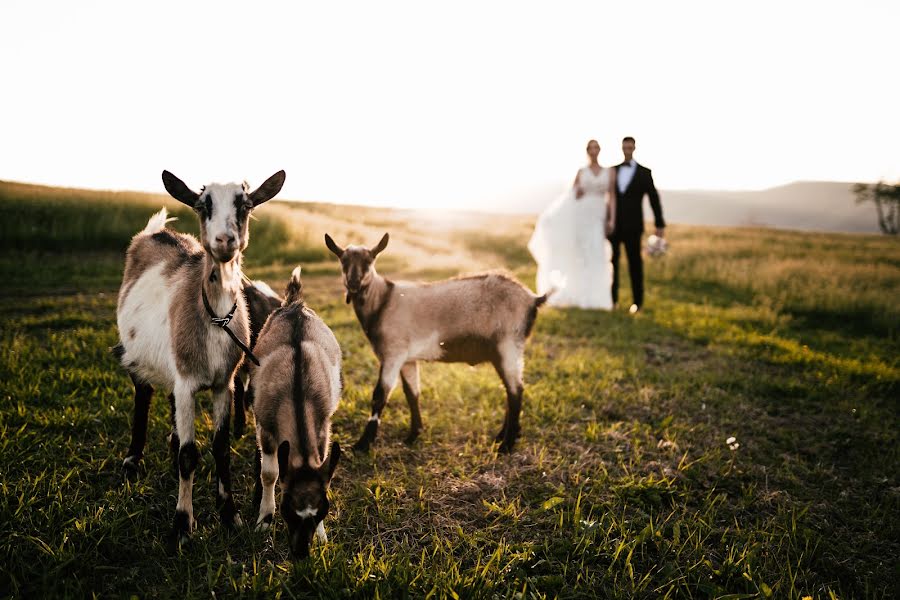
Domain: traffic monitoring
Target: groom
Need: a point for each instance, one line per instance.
(633, 181)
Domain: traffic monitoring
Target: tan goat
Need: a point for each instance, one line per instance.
(475, 319)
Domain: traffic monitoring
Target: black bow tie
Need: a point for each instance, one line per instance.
(628, 164)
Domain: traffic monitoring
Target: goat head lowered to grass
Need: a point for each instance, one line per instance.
(182, 321)
(474, 319)
(296, 388)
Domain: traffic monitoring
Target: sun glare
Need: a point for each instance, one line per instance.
(474, 106)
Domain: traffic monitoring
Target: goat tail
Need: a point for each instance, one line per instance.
(557, 282)
(540, 300)
(294, 289)
(158, 221)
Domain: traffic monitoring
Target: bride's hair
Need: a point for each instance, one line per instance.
(589, 144)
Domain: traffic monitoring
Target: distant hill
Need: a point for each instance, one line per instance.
(804, 205)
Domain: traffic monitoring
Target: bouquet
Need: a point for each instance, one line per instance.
(656, 246)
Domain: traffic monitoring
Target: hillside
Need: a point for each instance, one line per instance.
(804, 206)
(808, 206)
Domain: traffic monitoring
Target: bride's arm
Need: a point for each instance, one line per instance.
(578, 191)
(611, 201)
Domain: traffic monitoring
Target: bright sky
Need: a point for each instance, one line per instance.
(452, 104)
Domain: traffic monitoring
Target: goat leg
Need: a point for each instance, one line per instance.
(187, 462)
(143, 392)
(387, 379)
(174, 442)
(409, 376)
(509, 366)
(240, 414)
(228, 513)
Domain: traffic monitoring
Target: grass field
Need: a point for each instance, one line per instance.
(622, 484)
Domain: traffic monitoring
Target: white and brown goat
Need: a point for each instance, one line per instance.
(475, 319)
(180, 317)
(296, 387)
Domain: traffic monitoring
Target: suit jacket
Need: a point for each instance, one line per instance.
(630, 203)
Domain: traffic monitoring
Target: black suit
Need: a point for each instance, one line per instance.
(630, 227)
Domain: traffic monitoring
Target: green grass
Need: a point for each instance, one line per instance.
(622, 485)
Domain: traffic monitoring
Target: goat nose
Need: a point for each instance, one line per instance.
(226, 239)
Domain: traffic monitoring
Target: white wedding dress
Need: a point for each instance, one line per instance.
(570, 246)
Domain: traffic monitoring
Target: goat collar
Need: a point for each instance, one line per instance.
(223, 323)
(360, 293)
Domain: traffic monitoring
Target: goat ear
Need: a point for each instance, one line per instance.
(268, 189)
(283, 451)
(337, 250)
(333, 457)
(381, 246)
(178, 190)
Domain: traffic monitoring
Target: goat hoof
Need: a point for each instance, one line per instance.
(264, 522)
(362, 446)
(232, 521)
(131, 468)
(506, 444)
(182, 527)
(411, 438)
(237, 521)
(228, 513)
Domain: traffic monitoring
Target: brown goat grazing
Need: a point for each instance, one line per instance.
(297, 388)
(475, 319)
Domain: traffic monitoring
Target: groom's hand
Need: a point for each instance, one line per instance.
(660, 232)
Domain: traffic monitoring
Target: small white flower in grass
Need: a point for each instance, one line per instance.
(666, 445)
(733, 443)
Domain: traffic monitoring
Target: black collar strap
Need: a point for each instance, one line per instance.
(223, 323)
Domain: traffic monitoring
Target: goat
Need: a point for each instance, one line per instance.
(475, 319)
(170, 336)
(297, 387)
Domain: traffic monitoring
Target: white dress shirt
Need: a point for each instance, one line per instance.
(625, 174)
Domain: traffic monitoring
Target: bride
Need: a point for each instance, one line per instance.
(569, 240)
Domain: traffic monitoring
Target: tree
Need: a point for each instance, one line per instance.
(886, 197)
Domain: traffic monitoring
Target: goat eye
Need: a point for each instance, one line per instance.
(208, 206)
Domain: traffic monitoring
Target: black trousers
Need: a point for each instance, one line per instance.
(632, 242)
